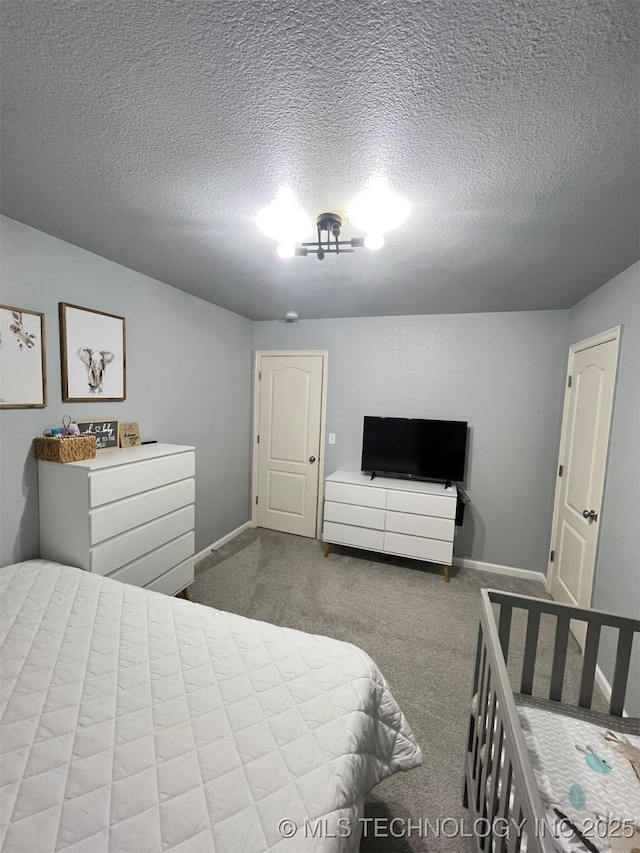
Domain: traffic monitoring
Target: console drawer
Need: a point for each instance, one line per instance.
(434, 550)
(112, 484)
(440, 506)
(357, 537)
(420, 525)
(359, 516)
(351, 494)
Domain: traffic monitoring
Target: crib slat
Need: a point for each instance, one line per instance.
(621, 673)
(476, 671)
(504, 628)
(496, 769)
(506, 778)
(476, 681)
(515, 837)
(476, 718)
(482, 733)
(559, 659)
(530, 648)
(589, 665)
(488, 752)
(480, 722)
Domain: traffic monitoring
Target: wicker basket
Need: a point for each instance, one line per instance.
(72, 448)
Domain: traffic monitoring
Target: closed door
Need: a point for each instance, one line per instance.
(583, 458)
(288, 449)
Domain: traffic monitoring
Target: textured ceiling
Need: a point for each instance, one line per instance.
(152, 133)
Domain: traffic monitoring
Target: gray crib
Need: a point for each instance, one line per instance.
(499, 778)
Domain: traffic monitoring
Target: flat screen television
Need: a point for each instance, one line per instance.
(414, 448)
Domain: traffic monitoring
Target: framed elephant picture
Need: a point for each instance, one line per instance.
(93, 355)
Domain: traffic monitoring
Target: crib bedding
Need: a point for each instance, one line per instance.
(587, 768)
(132, 721)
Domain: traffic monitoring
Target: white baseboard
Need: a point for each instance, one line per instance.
(603, 684)
(496, 569)
(220, 542)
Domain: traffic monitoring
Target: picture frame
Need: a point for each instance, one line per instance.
(129, 434)
(92, 355)
(106, 432)
(23, 360)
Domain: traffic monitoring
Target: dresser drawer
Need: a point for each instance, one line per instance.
(107, 521)
(112, 484)
(127, 547)
(350, 494)
(434, 550)
(359, 516)
(175, 580)
(420, 525)
(144, 570)
(440, 506)
(357, 537)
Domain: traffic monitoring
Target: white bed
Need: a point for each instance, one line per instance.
(133, 721)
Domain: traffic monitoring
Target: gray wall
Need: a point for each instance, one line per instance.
(188, 380)
(500, 372)
(617, 577)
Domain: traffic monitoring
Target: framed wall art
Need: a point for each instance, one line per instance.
(129, 434)
(105, 432)
(93, 355)
(23, 373)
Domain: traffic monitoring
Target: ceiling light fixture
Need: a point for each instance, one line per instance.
(329, 224)
(376, 210)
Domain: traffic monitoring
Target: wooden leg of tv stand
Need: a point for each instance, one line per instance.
(445, 571)
(327, 548)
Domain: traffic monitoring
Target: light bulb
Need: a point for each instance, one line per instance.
(374, 241)
(286, 250)
(377, 209)
(284, 220)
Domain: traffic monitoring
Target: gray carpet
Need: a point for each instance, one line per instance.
(420, 631)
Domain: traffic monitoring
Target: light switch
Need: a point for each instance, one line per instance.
(332, 438)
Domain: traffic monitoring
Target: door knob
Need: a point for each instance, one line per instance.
(312, 459)
(590, 514)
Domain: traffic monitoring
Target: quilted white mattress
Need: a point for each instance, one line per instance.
(136, 722)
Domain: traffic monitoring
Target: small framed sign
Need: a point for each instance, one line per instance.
(105, 432)
(129, 435)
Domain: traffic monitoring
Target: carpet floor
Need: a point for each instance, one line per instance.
(420, 631)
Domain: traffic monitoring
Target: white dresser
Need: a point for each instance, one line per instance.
(128, 514)
(401, 517)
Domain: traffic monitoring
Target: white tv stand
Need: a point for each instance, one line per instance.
(405, 518)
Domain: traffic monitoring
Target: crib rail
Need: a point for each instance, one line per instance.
(594, 620)
(500, 787)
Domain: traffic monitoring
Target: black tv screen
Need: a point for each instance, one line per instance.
(414, 448)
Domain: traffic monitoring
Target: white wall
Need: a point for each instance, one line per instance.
(617, 576)
(188, 380)
(503, 373)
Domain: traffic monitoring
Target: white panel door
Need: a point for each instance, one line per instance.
(289, 442)
(583, 457)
